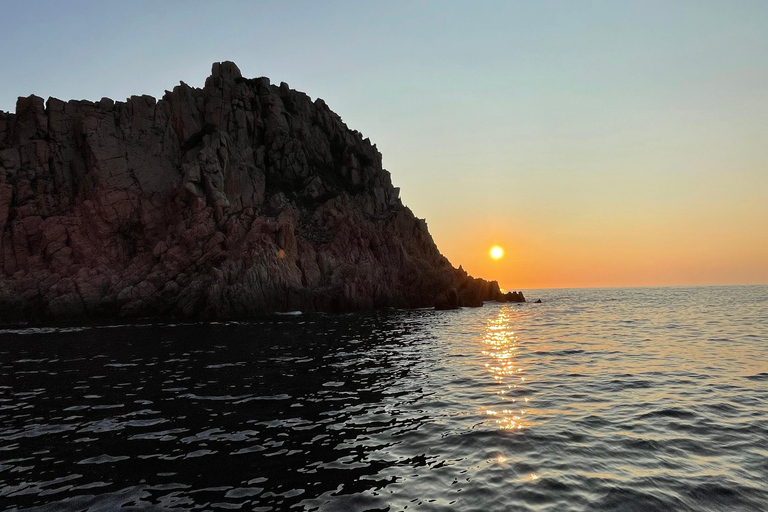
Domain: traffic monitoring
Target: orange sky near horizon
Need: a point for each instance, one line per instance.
(532, 262)
(710, 246)
(607, 229)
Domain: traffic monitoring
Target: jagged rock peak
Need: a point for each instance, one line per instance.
(232, 200)
(227, 71)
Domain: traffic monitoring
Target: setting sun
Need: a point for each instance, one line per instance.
(497, 252)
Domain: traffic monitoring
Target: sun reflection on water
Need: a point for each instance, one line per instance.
(500, 344)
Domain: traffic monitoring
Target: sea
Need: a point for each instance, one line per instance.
(628, 399)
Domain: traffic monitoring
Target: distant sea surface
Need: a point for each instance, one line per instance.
(597, 399)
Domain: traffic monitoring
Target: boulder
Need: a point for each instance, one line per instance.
(514, 297)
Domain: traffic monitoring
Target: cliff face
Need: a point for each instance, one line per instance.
(232, 200)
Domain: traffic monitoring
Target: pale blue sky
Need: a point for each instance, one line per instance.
(563, 124)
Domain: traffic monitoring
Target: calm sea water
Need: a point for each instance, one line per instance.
(614, 399)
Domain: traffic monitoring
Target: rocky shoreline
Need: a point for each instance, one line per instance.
(229, 201)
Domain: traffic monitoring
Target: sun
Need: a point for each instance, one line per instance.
(496, 252)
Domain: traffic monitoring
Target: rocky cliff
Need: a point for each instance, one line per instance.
(232, 200)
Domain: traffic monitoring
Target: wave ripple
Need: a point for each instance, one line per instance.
(623, 399)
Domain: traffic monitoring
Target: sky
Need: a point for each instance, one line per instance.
(600, 143)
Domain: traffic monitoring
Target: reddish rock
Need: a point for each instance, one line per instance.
(232, 200)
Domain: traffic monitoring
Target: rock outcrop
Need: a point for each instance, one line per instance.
(514, 297)
(233, 200)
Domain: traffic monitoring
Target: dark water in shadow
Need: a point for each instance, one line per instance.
(631, 399)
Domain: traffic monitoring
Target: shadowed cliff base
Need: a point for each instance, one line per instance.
(234, 200)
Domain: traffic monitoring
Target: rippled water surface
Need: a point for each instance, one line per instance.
(620, 399)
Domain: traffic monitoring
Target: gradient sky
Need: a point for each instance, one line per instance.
(601, 143)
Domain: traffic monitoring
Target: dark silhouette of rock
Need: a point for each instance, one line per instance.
(513, 297)
(450, 300)
(537, 301)
(237, 199)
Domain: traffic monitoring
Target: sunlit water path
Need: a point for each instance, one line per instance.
(619, 399)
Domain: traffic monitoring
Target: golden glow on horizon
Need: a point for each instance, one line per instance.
(496, 252)
(612, 229)
(678, 253)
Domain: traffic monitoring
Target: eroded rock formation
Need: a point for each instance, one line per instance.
(232, 200)
(514, 297)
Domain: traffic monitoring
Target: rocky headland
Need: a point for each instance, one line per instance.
(230, 201)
